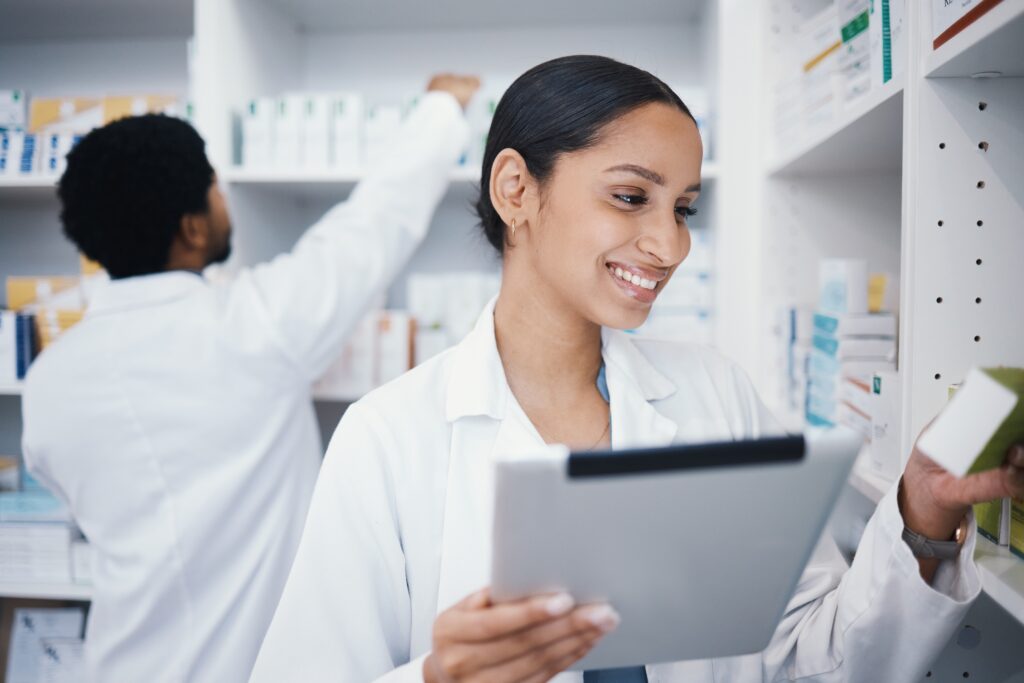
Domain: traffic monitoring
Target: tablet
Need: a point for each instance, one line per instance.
(698, 547)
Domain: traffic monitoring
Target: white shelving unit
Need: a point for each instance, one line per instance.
(923, 179)
(865, 138)
(990, 44)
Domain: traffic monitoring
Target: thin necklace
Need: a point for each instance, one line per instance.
(603, 432)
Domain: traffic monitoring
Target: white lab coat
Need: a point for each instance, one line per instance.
(399, 528)
(177, 422)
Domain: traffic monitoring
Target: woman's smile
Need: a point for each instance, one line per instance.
(641, 284)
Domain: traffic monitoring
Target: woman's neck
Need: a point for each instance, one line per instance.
(546, 348)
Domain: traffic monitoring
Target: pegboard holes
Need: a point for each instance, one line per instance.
(938, 375)
(983, 146)
(940, 224)
(977, 338)
(942, 145)
(928, 675)
(982, 106)
(967, 674)
(981, 184)
(977, 300)
(981, 223)
(978, 261)
(938, 300)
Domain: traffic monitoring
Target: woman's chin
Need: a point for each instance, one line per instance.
(618, 318)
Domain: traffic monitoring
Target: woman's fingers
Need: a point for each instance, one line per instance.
(591, 620)
(543, 663)
(1004, 482)
(482, 624)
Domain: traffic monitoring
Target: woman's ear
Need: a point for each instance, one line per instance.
(512, 188)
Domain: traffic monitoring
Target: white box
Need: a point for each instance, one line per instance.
(30, 627)
(81, 562)
(843, 286)
(8, 349)
(54, 152)
(855, 53)
(429, 342)
(316, 131)
(348, 114)
(13, 109)
(885, 457)
(946, 14)
(288, 132)
(394, 345)
(258, 133)
(382, 124)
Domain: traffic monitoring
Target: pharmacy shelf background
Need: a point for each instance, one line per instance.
(920, 177)
(220, 56)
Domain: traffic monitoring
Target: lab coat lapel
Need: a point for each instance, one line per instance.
(633, 383)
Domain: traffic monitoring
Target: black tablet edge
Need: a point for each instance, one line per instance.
(590, 464)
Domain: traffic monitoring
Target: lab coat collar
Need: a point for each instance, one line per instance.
(477, 371)
(142, 291)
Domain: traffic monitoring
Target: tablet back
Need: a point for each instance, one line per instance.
(699, 548)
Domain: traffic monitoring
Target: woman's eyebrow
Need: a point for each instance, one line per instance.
(644, 173)
(648, 174)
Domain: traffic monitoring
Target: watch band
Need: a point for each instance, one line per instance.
(926, 548)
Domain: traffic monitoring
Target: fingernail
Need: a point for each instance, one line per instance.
(603, 617)
(559, 604)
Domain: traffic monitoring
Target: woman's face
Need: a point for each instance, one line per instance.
(611, 227)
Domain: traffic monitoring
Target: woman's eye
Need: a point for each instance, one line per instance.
(631, 199)
(685, 212)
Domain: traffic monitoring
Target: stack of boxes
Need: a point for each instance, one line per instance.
(39, 542)
(320, 131)
(36, 134)
(39, 310)
(836, 57)
(442, 309)
(851, 365)
(343, 131)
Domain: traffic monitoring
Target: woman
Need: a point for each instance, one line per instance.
(591, 170)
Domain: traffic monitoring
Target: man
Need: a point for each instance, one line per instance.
(176, 419)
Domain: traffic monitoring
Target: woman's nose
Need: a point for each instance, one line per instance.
(667, 242)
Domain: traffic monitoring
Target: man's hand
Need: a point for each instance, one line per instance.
(461, 87)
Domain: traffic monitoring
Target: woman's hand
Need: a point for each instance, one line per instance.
(529, 640)
(933, 501)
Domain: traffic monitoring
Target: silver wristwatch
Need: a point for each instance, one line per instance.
(924, 547)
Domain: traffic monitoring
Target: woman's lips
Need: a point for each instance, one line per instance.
(633, 284)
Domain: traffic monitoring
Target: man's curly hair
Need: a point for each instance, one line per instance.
(127, 187)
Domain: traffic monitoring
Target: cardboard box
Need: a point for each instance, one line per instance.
(63, 114)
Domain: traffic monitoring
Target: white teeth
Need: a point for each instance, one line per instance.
(635, 279)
